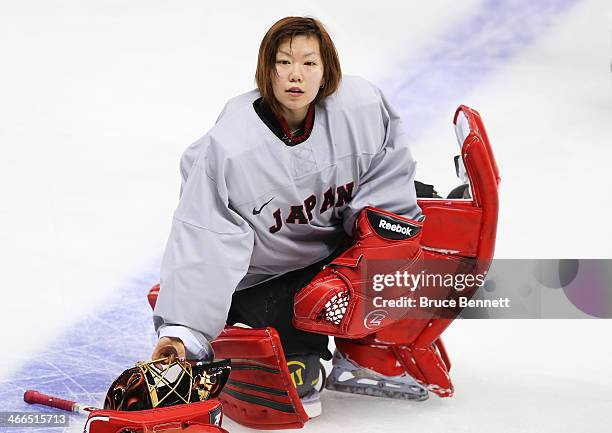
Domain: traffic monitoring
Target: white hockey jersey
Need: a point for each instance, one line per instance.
(252, 207)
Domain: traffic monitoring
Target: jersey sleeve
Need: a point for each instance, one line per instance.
(388, 182)
(208, 251)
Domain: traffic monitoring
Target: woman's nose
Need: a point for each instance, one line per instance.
(296, 73)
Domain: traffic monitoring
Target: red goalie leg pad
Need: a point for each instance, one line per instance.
(259, 393)
(339, 299)
(375, 357)
(424, 357)
(198, 417)
(426, 366)
(467, 228)
(429, 365)
(432, 361)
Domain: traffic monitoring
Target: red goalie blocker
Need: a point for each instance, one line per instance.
(259, 393)
(456, 236)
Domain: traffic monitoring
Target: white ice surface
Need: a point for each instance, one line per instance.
(98, 100)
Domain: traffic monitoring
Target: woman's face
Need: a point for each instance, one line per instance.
(299, 75)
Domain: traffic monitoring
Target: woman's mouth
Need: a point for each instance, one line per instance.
(295, 91)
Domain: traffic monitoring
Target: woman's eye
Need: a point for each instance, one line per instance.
(282, 62)
(310, 63)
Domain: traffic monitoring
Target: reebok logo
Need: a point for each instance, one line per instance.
(394, 227)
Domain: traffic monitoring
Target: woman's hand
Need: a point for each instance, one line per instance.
(169, 347)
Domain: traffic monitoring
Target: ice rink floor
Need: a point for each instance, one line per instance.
(99, 99)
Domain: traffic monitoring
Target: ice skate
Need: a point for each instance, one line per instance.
(348, 377)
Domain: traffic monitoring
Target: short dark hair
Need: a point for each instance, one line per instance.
(288, 28)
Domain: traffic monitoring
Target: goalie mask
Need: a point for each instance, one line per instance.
(161, 383)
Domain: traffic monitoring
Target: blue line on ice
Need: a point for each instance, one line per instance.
(434, 82)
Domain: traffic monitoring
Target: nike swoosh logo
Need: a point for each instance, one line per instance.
(257, 212)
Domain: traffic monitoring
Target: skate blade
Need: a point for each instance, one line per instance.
(312, 404)
(376, 392)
